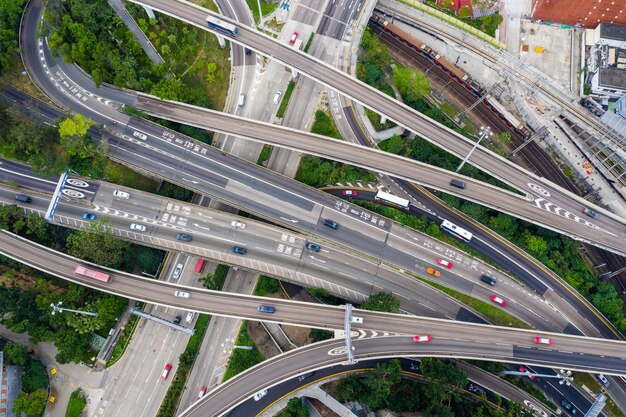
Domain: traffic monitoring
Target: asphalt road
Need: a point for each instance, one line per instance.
(563, 207)
(132, 152)
(450, 338)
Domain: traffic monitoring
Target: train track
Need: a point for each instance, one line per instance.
(533, 157)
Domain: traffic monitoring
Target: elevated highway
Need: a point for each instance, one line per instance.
(452, 339)
(600, 232)
(559, 209)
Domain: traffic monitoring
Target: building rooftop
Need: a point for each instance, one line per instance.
(612, 31)
(612, 78)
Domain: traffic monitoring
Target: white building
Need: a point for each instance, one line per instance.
(606, 63)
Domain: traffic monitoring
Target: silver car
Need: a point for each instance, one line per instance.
(138, 227)
(177, 271)
(238, 224)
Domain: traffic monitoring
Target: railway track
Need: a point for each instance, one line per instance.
(533, 157)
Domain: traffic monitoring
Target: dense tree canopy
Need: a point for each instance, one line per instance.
(10, 13)
(382, 301)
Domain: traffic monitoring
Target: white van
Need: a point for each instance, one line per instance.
(190, 316)
(277, 97)
(242, 100)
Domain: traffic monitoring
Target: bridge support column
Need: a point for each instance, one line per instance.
(150, 12)
(221, 41)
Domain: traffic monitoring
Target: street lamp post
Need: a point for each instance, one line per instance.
(56, 308)
(484, 132)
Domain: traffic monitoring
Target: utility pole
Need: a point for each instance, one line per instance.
(484, 132)
(56, 308)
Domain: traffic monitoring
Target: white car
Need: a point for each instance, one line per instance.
(181, 294)
(121, 194)
(277, 97)
(238, 224)
(177, 271)
(140, 135)
(139, 227)
(260, 395)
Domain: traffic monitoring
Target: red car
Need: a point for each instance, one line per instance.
(418, 339)
(498, 300)
(543, 341)
(445, 263)
(293, 37)
(202, 392)
(523, 369)
(349, 192)
(166, 371)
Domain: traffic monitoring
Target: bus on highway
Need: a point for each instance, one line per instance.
(456, 231)
(391, 200)
(92, 273)
(221, 26)
(200, 265)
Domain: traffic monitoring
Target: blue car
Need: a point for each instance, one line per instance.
(266, 309)
(89, 216)
(312, 246)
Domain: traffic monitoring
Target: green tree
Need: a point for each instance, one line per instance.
(34, 377)
(607, 300)
(74, 137)
(77, 125)
(15, 354)
(295, 408)
(382, 301)
(464, 11)
(209, 281)
(10, 12)
(318, 335)
(95, 243)
(379, 382)
(394, 144)
(32, 404)
(536, 245)
(413, 85)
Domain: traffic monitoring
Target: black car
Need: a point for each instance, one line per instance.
(330, 223)
(569, 407)
(239, 250)
(177, 319)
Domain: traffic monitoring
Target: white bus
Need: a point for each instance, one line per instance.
(391, 200)
(456, 231)
(221, 26)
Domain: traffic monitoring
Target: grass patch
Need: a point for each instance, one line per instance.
(283, 104)
(325, 125)
(590, 381)
(122, 343)
(242, 359)
(448, 109)
(494, 314)
(265, 155)
(266, 8)
(122, 175)
(375, 119)
(309, 42)
(76, 405)
(186, 360)
(266, 285)
(524, 384)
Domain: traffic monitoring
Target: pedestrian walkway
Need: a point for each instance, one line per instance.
(312, 391)
(130, 23)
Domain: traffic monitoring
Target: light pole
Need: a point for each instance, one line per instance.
(484, 132)
(56, 308)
